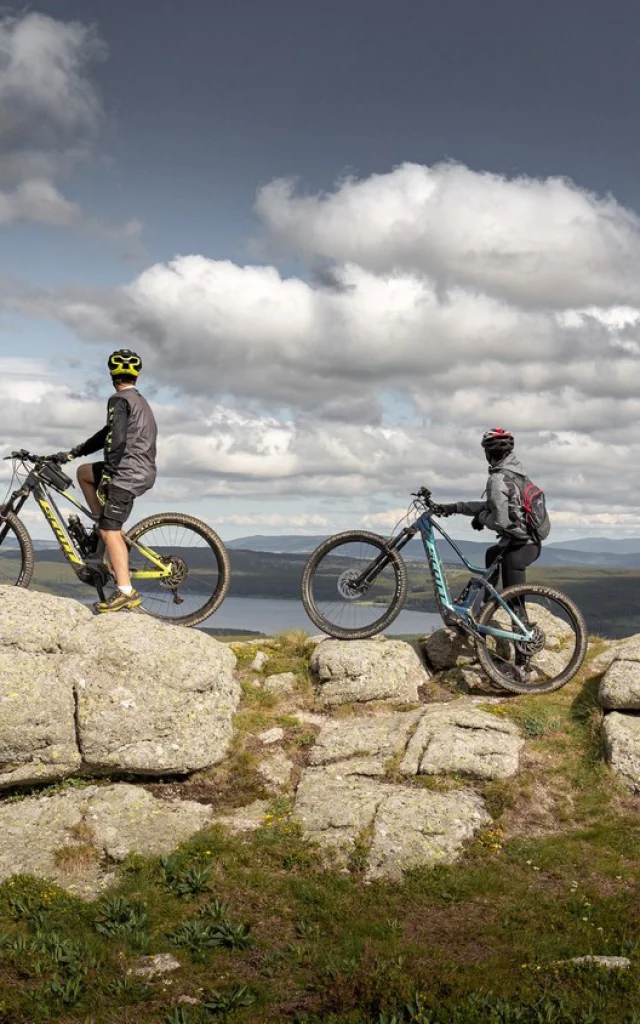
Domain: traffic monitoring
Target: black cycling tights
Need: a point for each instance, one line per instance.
(515, 561)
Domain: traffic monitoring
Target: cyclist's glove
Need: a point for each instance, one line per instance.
(103, 489)
(476, 524)
(445, 510)
(62, 457)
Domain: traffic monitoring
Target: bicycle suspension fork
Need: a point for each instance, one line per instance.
(382, 561)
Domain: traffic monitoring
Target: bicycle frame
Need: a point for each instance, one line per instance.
(41, 492)
(459, 610)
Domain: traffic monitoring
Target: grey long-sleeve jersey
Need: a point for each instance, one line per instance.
(129, 442)
(500, 511)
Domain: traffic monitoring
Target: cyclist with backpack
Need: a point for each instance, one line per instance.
(127, 470)
(514, 507)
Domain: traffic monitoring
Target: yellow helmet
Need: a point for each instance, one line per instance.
(124, 363)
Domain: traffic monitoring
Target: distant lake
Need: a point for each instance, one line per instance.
(273, 615)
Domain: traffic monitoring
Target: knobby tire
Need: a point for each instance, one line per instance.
(315, 559)
(25, 544)
(580, 633)
(216, 545)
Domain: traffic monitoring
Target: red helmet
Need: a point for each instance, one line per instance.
(498, 441)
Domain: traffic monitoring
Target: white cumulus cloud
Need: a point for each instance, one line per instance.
(448, 300)
(51, 116)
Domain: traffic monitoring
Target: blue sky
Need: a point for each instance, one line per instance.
(458, 246)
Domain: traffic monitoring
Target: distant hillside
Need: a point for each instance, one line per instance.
(602, 545)
(623, 554)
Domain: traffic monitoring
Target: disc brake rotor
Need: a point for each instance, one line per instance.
(346, 585)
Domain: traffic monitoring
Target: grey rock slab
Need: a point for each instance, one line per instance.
(38, 623)
(628, 648)
(310, 717)
(42, 835)
(152, 966)
(363, 745)
(151, 698)
(469, 679)
(244, 819)
(282, 684)
(409, 826)
(621, 733)
(125, 818)
(416, 827)
(445, 649)
(37, 719)
(259, 661)
(456, 737)
(610, 963)
(270, 736)
(620, 686)
(275, 771)
(367, 670)
(334, 810)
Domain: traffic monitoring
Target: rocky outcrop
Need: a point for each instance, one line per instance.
(367, 670)
(620, 686)
(444, 649)
(415, 827)
(275, 771)
(457, 738)
(76, 837)
(619, 695)
(38, 623)
(282, 684)
(38, 740)
(400, 827)
(621, 734)
(348, 796)
(151, 698)
(108, 694)
(363, 745)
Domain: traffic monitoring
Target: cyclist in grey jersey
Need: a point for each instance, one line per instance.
(128, 470)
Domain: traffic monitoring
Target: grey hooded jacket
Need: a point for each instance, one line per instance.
(501, 510)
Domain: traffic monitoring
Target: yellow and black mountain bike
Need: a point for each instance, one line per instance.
(179, 565)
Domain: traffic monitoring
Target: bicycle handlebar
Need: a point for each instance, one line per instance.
(423, 494)
(26, 456)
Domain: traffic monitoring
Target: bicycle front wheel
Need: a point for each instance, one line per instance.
(353, 585)
(551, 658)
(17, 559)
(200, 570)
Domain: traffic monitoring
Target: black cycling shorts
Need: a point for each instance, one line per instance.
(117, 508)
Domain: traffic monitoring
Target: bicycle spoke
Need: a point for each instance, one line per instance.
(195, 580)
(346, 593)
(554, 651)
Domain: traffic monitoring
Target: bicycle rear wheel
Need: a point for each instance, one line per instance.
(337, 597)
(200, 574)
(17, 559)
(554, 655)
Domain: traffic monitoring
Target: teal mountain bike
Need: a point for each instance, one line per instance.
(179, 566)
(528, 639)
